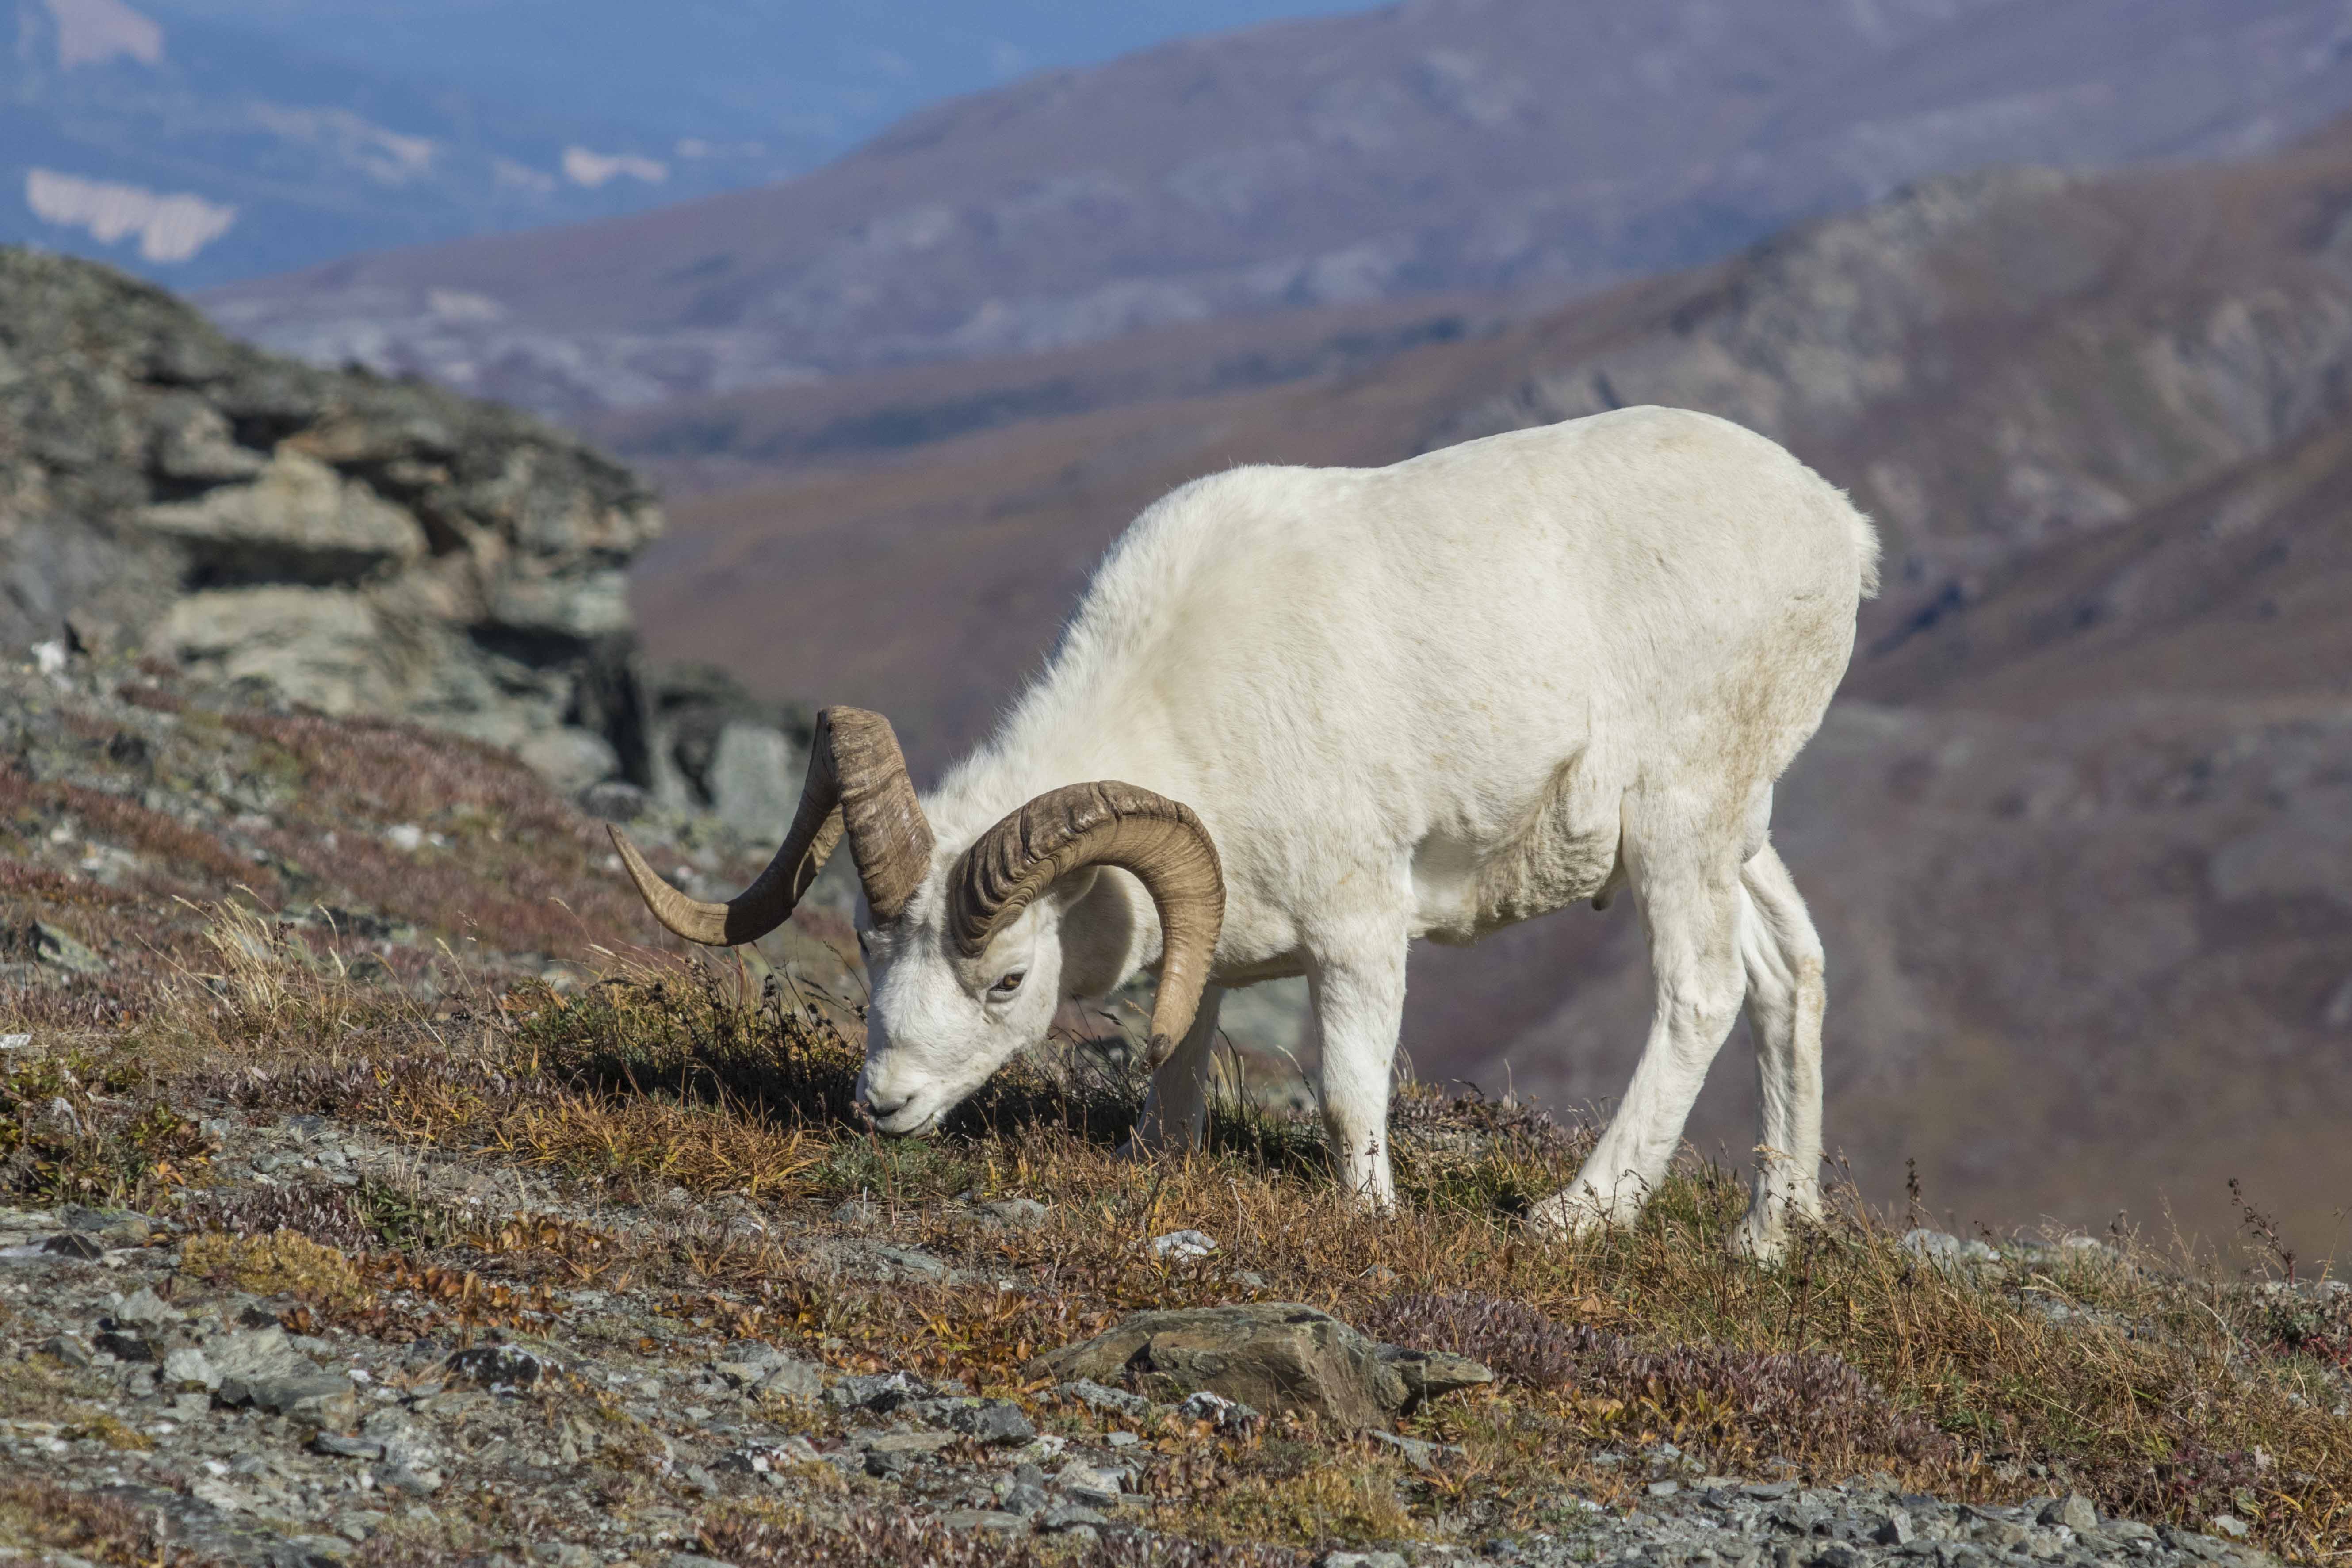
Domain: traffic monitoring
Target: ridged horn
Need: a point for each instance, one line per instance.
(1103, 824)
(858, 781)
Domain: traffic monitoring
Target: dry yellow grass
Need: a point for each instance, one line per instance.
(2173, 1389)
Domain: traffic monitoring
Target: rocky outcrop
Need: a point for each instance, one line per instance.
(357, 544)
(1271, 1356)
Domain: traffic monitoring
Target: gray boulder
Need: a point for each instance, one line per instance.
(1273, 1356)
(755, 780)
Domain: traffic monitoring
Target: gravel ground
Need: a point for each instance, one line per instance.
(604, 1433)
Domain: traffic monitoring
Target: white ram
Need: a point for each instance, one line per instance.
(1303, 716)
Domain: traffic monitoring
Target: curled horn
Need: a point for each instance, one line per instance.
(1104, 824)
(856, 779)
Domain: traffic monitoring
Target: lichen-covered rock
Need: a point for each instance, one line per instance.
(1272, 1355)
(362, 545)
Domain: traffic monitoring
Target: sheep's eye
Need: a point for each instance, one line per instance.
(1008, 986)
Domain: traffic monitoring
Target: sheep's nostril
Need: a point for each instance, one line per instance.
(881, 1112)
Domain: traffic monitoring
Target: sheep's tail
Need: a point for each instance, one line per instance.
(1865, 547)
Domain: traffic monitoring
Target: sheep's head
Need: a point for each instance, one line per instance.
(967, 955)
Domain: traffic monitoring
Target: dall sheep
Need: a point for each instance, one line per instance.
(1303, 716)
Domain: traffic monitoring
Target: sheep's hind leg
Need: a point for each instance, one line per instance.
(1786, 999)
(1176, 1107)
(1689, 891)
(1358, 1004)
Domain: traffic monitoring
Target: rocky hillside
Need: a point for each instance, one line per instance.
(350, 543)
(367, 1196)
(2078, 845)
(1536, 147)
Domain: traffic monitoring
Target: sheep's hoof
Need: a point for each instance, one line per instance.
(1573, 1214)
(1757, 1239)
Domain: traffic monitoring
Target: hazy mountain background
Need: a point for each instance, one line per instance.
(815, 78)
(2061, 291)
(1519, 149)
(199, 140)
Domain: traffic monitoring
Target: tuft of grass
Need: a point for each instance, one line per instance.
(1305, 1498)
(43, 1517)
(85, 1128)
(283, 1263)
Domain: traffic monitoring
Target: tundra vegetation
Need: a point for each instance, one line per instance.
(624, 1191)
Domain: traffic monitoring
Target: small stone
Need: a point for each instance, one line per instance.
(1224, 1414)
(189, 1369)
(116, 1228)
(68, 1349)
(793, 1380)
(1084, 1483)
(2074, 1511)
(414, 1482)
(1115, 1401)
(982, 1519)
(142, 1309)
(908, 1262)
(2229, 1525)
(1121, 1439)
(1065, 1516)
(500, 1368)
(1421, 1453)
(563, 1554)
(893, 1452)
(347, 1447)
(124, 1346)
(1280, 1356)
(858, 1212)
(1361, 1560)
(1022, 1499)
(1665, 1488)
(55, 947)
(994, 1421)
(1430, 1374)
(1931, 1243)
(322, 1398)
(1893, 1530)
(1017, 1214)
(880, 1391)
(1181, 1244)
(73, 1243)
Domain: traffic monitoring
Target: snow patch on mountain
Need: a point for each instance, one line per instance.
(170, 228)
(385, 156)
(582, 167)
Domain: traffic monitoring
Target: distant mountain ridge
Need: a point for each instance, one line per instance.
(1536, 147)
(192, 151)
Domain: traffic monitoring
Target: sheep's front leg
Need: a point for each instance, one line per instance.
(1358, 1004)
(1176, 1106)
(1690, 906)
